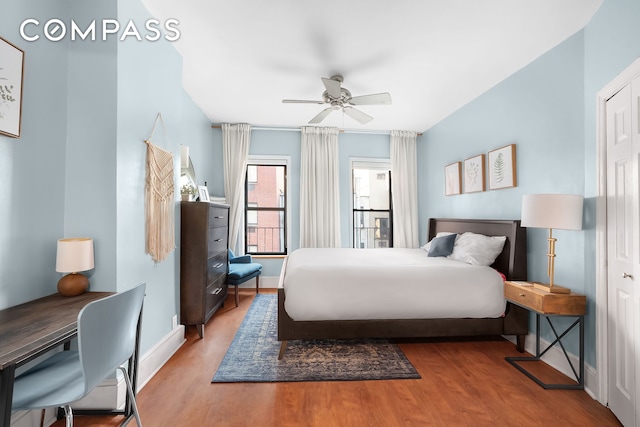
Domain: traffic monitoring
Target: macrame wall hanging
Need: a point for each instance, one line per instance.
(158, 197)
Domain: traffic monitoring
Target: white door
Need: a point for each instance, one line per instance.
(623, 142)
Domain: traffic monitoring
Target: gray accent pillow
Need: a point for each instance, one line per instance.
(442, 246)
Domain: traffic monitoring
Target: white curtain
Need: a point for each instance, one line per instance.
(404, 183)
(319, 188)
(235, 145)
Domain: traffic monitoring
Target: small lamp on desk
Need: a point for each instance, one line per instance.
(73, 256)
(559, 211)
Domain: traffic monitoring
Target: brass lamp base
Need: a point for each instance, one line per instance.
(73, 284)
(554, 289)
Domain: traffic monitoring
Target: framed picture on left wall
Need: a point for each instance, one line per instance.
(11, 75)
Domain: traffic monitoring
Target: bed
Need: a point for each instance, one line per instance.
(511, 262)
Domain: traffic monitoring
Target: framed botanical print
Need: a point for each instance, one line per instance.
(502, 167)
(474, 174)
(11, 74)
(452, 179)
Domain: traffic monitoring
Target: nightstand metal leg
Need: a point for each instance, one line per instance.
(579, 375)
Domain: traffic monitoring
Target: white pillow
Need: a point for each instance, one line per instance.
(427, 246)
(477, 249)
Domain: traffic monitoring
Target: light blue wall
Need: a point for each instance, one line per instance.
(90, 178)
(540, 109)
(32, 168)
(149, 81)
(79, 167)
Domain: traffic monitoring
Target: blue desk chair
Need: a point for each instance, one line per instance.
(106, 339)
(241, 269)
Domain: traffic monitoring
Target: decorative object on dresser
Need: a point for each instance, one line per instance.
(73, 256)
(547, 304)
(559, 211)
(203, 193)
(203, 261)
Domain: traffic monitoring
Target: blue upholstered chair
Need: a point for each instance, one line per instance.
(241, 269)
(106, 339)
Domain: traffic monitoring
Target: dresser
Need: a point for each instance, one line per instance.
(204, 234)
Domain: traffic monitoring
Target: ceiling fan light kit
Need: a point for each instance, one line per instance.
(340, 98)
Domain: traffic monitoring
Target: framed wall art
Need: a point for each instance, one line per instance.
(11, 75)
(474, 174)
(452, 179)
(502, 167)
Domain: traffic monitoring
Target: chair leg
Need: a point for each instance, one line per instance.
(257, 284)
(68, 415)
(132, 397)
(237, 297)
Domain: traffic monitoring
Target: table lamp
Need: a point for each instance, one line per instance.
(73, 256)
(559, 211)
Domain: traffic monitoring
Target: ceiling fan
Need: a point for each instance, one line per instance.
(340, 98)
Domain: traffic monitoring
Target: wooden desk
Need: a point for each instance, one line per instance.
(548, 304)
(32, 329)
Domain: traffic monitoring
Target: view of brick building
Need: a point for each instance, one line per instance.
(265, 209)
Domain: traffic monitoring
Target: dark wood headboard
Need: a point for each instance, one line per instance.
(513, 259)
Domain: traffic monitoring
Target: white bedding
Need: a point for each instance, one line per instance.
(394, 283)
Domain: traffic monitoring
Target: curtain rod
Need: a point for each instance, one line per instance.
(294, 129)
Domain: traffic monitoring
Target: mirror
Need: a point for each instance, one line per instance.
(188, 182)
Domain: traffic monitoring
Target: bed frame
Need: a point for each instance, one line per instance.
(512, 262)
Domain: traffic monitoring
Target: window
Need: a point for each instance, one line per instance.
(266, 208)
(371, 197)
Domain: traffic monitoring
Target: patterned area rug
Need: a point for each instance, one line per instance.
(253, 354)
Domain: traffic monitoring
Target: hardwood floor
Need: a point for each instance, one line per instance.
(463, 384)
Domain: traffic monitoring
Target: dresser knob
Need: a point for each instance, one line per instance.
(627, 276)
(522, 295)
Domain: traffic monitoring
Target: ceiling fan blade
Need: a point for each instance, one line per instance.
(333, 87)
(301, 101)
(321, 116)
(357, 115)
(374, 99)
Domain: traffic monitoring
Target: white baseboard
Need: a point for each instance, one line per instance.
(111, 393)
(555, 358)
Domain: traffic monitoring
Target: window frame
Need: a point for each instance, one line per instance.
(259, 160)
(371, 164)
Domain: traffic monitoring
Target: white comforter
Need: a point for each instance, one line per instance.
(394, 283)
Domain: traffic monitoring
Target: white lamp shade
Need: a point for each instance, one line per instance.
(557, 211)
(74, 255)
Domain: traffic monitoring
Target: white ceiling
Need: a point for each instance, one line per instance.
(241, 58)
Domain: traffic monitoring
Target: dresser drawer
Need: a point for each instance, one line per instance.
(218, 217)
(217, 240)
(216, 267)
(214, 295)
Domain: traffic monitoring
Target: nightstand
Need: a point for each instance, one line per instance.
(547, 305)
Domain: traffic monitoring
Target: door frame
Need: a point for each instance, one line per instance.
(603, 95)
